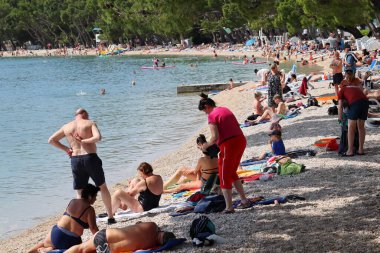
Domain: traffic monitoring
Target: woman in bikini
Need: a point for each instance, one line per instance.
(143, 194)
(205, 168)
(79, 215)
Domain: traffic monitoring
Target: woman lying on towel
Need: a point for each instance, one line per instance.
(206, 166)
(269, 114)
(143, 194)
(141, 236)
(79, 215)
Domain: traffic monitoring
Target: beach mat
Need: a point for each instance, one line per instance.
(131, 215)
(326, 98)
(170, 244)
(252, 162)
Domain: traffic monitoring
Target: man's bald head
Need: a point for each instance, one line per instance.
(82, 112)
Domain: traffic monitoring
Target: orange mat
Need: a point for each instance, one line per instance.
(326, 98)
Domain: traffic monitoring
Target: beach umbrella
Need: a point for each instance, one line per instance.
(250, 42)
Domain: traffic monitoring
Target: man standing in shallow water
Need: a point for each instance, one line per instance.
(82, 135)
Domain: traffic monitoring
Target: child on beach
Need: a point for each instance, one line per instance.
(258, 108)
(276, 145)
(270, 115)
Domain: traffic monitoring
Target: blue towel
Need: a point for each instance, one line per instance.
(57, 251)
(252, 162)
(171, 243)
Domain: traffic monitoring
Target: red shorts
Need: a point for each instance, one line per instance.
(230, 155)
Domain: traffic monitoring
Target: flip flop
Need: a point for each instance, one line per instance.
(345, 155)
(229, 211)
(244, 206)
(360, 153)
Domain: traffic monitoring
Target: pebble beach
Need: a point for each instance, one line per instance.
(341, 206)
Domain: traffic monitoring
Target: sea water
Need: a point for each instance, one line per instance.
(138, 122)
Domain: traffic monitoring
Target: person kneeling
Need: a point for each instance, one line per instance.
(142, 235)
(148, 189)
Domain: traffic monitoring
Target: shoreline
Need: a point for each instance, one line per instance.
(187, 154)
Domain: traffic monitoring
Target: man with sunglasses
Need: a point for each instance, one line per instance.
(82, 135)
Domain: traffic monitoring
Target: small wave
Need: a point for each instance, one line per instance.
(81, 93)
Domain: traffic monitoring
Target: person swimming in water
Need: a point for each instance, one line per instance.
(155, 62)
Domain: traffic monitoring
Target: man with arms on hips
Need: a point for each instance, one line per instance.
(82, 135)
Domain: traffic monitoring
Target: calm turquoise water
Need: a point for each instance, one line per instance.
(138, 123)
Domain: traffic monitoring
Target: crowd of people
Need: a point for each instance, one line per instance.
(222, 153)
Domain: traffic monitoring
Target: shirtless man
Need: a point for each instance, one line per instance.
(82, 135)
(143, 235)
(337, 66)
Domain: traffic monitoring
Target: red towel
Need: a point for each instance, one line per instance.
(303, 88)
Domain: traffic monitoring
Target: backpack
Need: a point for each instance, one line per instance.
(312, 102)
(201, 225)
(333, 110)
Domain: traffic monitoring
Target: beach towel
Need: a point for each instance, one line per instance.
(252, 162)
(252, 178)
(128, 214)
(247, 173)
(170, 244)
(290, 168)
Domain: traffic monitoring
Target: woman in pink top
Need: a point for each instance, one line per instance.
(226, 133)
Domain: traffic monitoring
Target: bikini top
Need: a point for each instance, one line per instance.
(210, 171)
(77, 219)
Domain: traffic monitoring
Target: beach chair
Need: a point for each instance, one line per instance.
(371, 67)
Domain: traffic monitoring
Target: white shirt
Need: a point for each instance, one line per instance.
(261, 73)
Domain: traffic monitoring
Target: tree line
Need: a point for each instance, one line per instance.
(69, 22)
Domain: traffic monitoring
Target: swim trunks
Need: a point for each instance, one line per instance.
(62, 238)
(86, 166)
(337, 78)
(358, 110)
(100, 242)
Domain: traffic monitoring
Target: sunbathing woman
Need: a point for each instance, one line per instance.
(79, 215)
(148, 189)
(269, 114)
(206, 166)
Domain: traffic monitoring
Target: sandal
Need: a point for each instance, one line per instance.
(245, 205)
(345, 155)
(229, 211)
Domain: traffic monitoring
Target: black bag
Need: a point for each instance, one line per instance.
(312, 102)
(201, 225)
(333, 110)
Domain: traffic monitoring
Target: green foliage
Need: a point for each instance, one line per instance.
(71, 21)
(365, 32)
